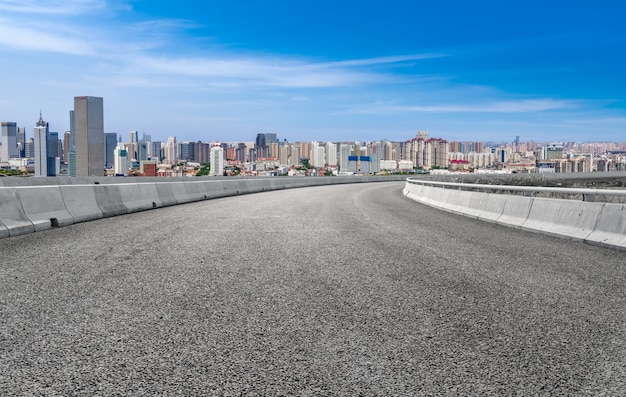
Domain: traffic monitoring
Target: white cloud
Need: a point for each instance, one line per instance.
(58, 7)
(260, 71)
(385, 60)
(520, 106)
(35, 40)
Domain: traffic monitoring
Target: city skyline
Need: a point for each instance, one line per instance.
(324, 71)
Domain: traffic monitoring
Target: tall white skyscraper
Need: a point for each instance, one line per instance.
(344, 154)
(331, 153)
(88, 123)
(171, 156)
(217, 160)
(120, 156)
(41, 151)
(9, 141)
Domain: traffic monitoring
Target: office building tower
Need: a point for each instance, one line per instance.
(142, 148)
(110, 143)
(21, 142)
(9, 141)
(186, 151)
(203, 152)
(54, 158)
(217, 160)
(46, 150)
(67, 144)
(88, 123)
(120, 162)
(41, 151)
(72, 163)
(241, 153)
(29, 149)
(171, 153)
(133, 140)
(154, 150)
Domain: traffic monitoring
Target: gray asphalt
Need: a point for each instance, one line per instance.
(339, 290)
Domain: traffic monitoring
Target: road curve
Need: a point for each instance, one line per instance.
(324, 291)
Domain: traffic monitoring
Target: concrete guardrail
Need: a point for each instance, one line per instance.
(602, 224)
(27, 208)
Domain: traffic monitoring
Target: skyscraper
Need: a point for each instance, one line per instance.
(9, 141)
(110, 143)
(89, 135)
(217, 160)
(171, 153)
(46, 145)
(41, 150)
(21, 142)
(67, 145)
(120, 156)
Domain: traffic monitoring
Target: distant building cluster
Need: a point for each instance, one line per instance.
(86, 150)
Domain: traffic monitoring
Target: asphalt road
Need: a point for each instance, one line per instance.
(339, 290)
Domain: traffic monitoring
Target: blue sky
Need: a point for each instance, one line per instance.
(321, 70)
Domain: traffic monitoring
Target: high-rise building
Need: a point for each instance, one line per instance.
(21, 142)
(110, 143)
(9, 141)
(89, 135)
(120, 162)
(203, 152)
(29, 149)
(217, 160)
(171, 154)
(46, 150)
(41, 150)
(331, 154)
(187, 151)
(67, 145)
(294, 157)
(344, 153)
(54, 158)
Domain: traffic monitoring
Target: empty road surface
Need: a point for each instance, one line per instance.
(327, 291)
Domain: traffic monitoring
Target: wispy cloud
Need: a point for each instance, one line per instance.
(29, 39)
(385, 60)
(227, 70)
(600, 120)
(519, 106)
(56, 7)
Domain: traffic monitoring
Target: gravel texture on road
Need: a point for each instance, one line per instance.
(340, 290)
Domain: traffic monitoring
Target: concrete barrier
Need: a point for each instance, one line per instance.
(109, 200)
(4, 232)
(489, 206)
(197, 190)
(575, 219)
(515, 212)
(140, 196)
(456, 201)
(44, 207)
(12, 213)
(215, 189)
(80, 202)
(179, 192)
(166, 194)
(595, 223)
(610, 228)
(33, 204)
